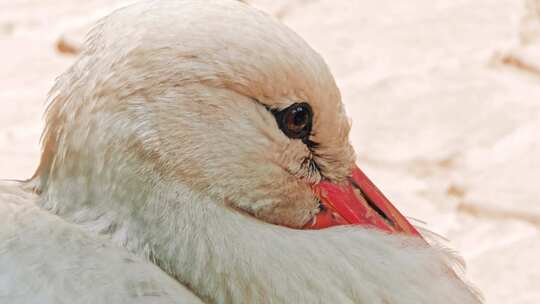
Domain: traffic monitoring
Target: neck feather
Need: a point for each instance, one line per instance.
(225, 256)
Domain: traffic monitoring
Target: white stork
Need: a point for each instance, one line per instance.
(191, 154)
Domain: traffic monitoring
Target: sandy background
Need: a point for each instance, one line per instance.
(444, 96)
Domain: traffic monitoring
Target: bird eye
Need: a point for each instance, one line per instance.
(295, 121)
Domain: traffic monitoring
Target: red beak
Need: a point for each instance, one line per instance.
(358, 202)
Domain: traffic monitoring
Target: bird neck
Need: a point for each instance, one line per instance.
(227, 256)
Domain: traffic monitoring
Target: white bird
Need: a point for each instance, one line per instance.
(183, 152)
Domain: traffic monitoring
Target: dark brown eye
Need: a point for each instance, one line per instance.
(295, 121)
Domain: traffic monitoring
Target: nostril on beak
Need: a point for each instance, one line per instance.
(371, 204)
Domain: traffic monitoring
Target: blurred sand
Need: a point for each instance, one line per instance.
(444, 97)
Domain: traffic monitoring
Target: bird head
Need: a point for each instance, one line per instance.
(219, 98)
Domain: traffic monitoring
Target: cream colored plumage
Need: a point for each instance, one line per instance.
(159, 151)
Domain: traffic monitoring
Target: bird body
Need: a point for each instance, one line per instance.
(166, 176)
(45, 259)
